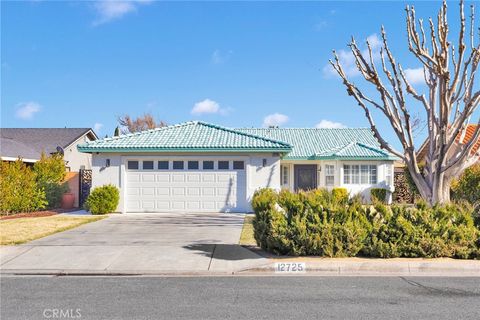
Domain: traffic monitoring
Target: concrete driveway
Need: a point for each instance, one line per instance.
(138, 243)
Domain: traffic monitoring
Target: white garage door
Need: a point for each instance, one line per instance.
(157, 185)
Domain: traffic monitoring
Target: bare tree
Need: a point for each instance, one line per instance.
(145, 122)
(449, 102)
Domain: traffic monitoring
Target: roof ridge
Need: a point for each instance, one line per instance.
(242, 133)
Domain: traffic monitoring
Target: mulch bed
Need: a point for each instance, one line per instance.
(36, 214)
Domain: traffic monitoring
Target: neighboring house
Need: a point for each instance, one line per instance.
(201, 167)
(29, 143)
(463, 138)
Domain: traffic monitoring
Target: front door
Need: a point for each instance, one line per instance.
(305, 176)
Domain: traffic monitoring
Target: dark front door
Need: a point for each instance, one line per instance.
(305, 176)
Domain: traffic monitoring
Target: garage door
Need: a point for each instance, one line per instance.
(186, 185)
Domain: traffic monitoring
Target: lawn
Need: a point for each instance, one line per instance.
(246, 238)
(21, 230)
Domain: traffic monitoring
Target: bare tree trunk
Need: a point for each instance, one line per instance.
(449, 73)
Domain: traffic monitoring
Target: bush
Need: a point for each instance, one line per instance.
(103, 199)
(422, 231)
(50, 173)
(307, 223)
(378, 195)
(19, 191)
(340, 194)
(315, 223)
(467, 188)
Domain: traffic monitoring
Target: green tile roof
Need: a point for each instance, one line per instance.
(312, 143)
(192, 136)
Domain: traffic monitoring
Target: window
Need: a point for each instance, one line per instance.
(284, 175)
(359, 174)
(163, 165)
(207, 165)
(223, 165)
(388, 175)
(178, 165)
(132, 165)
(107, 162)
(147, 165)
(192, 165)
(238, 165)
(329, 175)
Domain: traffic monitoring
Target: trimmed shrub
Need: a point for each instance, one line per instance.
(19, 191)
(307, 223)
(378, 195)
(315, 223)
(422, 231)
(340, 194)
(103, 199)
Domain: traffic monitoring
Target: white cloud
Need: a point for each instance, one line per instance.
(275, 119)
(26, 110)
(327, 124)
(347, 60)
(219, 57)
(109, 10)
(97, 127)
(206, 106)
(415, 76)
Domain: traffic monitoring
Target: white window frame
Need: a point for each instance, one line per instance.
(329, 174)
(360, 174)
(284, 175)
(389, 174)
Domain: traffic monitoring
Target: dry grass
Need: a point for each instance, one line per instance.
(17, 231)
(246, 238)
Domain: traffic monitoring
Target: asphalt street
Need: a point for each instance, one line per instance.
(239, 298)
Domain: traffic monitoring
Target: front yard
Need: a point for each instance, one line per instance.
(21, 230)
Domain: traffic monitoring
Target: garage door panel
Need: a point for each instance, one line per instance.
(208, 191)
(163, 191)
(185, 190)
(148, 191)
(178, 191)
(178, 177)
(193, 191)
(163, 177)
(208, 177)
(148, 205)
(193, 178)
(133, 191)
(178, 205)
(225, 177)
(133, 177)
(163, 205)
(148, 177)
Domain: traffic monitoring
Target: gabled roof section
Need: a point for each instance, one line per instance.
(317, 144)
(194, 136)
(29, 143)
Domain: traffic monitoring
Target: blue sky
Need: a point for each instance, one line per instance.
(83, 64)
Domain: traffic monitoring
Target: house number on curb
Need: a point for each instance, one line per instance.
(290, 267)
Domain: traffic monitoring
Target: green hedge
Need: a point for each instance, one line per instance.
(19, 191)
(318, 223)
(378, 195)
(103, 199)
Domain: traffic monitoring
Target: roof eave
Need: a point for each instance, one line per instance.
(87, 149)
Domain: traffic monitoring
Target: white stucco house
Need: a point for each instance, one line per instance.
(201, 167)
